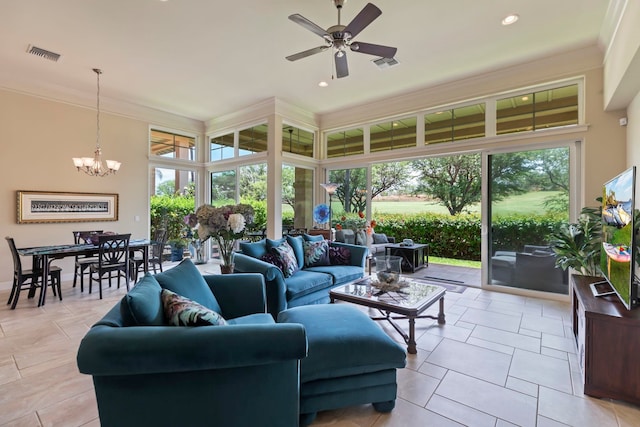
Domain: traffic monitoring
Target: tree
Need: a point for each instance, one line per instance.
(253, 182)
(166, 188)
(352, 192)
(223, 187)
(455, 180)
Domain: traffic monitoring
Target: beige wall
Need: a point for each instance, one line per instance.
(39, 137)
(633, 133)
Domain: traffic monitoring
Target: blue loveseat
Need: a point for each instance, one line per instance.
(308, 285)
(149, 374)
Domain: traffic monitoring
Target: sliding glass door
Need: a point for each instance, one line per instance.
(528, 199)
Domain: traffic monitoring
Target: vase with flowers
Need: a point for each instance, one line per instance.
(225, 225)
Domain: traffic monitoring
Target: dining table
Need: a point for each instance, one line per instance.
(44, 255)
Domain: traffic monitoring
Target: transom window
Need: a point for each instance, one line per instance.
(538, 110)
(297, 141)
(173, 145)
(393, 135)
(345, 143)
(221, 147)
(455, 124)
(253, 140)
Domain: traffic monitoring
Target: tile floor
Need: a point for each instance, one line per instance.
(501, 360)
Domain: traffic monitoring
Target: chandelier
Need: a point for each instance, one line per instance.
(93, 165)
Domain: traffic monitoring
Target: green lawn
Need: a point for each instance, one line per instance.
(528, 203)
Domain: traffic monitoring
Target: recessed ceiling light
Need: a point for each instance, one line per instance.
(510, 19)
(323, 84)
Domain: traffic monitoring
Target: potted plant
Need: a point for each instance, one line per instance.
(577, 245)
(177, 248)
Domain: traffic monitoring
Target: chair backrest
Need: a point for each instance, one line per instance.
(85, 236)
(17, 263)
(113, 249)
(159, 242)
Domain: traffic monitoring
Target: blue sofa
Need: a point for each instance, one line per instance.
(309, 285)
(146, 373)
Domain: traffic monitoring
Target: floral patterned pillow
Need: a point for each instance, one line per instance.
(181, 311)
(316, 253)
(339, 255)
(287, 257)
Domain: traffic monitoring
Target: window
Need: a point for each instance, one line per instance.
(538, 110)
(167, 144)
(221, 147)
(253, 140)
(455, 125)
(345, 143)
(223, 188)
(351, 194)
(393, 135)
(297, 141)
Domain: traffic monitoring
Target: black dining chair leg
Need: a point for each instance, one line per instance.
(13, 291)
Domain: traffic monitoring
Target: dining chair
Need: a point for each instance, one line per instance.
(23, 279)
(82, 262)
(158, 244)
(113, 257)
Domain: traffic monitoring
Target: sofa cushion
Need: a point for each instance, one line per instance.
(271, 243)
(142, 305)
(181, 311)
(185, 279)
(339, 255)
(310, 238)
(380, 238)
(343, 341)
(305, 282)
(339, 273)
(287, 258)
(297, 244)
(316, 253)
(253, 319)
(361, 238)
(255, 249)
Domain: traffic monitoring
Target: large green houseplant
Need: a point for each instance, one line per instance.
(577, 245)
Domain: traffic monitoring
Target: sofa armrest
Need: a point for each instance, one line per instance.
(358, 253)
(275, 286)
(238, 294)
(138, 350)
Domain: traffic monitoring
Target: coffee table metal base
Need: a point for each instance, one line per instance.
(410, 339)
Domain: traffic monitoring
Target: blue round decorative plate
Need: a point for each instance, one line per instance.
(321, 214)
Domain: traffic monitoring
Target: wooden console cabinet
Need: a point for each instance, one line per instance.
(608, 343)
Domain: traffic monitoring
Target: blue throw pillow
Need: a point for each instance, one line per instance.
(316, 253)
(142, 305)
(181, 311)
(275, 243)
(298, 249)
(310, 238)
(287, 258)
(255, 249)
(185, 279)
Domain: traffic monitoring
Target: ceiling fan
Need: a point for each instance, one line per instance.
(340, 37)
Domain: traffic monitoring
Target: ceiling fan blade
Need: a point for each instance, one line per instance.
(366, 16)
(374, 49)
(299, 19)
(306, 53)
(342, 69)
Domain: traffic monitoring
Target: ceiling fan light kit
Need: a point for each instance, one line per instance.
(340, 37)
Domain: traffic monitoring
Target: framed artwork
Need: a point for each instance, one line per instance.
(53, 206)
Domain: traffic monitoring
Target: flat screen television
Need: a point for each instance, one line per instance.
(618, 250)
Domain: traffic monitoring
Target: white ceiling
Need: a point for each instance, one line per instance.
(205, 58)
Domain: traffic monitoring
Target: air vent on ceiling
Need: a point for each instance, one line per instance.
(46, 54)
(383, 63)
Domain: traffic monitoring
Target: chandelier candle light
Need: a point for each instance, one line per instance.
(93, 165)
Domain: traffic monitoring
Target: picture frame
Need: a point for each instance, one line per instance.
(56, 206)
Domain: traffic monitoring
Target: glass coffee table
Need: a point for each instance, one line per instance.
(406, 303)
